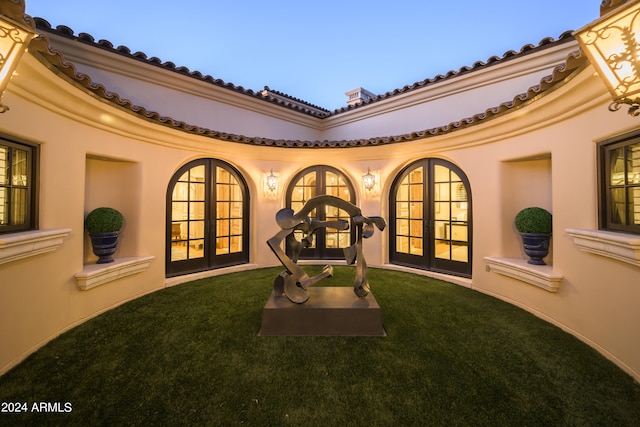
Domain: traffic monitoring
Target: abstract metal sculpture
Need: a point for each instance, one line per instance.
(294, 281)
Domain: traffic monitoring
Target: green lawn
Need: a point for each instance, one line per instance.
(190, 355)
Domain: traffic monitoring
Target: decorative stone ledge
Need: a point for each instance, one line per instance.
(621, 246)
(98, 274)
(541, 276)
(15, 246)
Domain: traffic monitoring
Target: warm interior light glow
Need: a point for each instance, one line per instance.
(14, 39)
(612, 46)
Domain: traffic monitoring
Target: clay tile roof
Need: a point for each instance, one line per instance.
(54, 60)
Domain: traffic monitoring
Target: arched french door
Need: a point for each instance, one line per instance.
(430, 218)
(207, 218)
(316, 180)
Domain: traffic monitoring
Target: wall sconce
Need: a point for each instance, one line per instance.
(272, 182)
(14, 39)
(612, 48)
(369, 180)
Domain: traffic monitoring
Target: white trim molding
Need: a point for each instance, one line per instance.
(25, 244)
(98, 274)
(621, 246)
(541, 276)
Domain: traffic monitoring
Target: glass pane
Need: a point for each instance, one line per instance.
(402, 244)
(402, 227)
(222, 175)
(4, 164)
(184, 177)
(441, 229)
(442, 210)
(179, 211)
(415, 176)
(460, 253)
(344, 239)
(459, 232)
(403, 193)
(181, 191)
(179, 230)
(633, 206)
(178, 251)
(236, 244)
(441, 174)
(196, 230)
(222, 228)
(196, 249)
(415, 246)
(196, 191)
(617, 166)
(197, 174)
(4, 206)
(460, 193)
(443, 249)
(19, 168)
(18, 206)
(236, 193)
(416, 210)
(222, 209)
(416, 192)
(618, 206)
(222, 245)
(223, 192)
(402, 210)
(332, 240)
(236, 226)
(236, 209)
(417, 228)
(196, 210)
(442, 192)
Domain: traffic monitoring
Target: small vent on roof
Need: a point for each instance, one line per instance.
(356, 96)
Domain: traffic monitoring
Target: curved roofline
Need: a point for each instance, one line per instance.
(286, 100)
(54, 60)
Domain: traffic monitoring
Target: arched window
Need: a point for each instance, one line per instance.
(430, 218)
(314, 181)
(207, 217)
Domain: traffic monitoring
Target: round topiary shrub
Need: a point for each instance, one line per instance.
(104, 220)
(533, 220)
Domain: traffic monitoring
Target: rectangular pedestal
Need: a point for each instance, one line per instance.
(329, 311)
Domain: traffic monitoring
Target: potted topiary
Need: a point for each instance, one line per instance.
(104, 225)
(534, 225)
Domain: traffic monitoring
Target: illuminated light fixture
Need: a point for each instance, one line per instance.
(369, 180)
(272, 182)
(14, 39)
(612, 46)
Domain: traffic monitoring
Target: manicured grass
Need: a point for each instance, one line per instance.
(190, 355)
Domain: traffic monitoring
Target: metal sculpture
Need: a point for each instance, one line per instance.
(294, 281)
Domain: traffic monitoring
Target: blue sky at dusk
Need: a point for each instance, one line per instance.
(316, 51)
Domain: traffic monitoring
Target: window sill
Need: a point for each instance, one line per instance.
(98, 274)
(26, 244)
(541, 276)
(620, 246)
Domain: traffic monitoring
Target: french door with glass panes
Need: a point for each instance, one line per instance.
(207, 220)
(328, 243)
(430, 221)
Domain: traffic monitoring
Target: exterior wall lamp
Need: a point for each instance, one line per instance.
(272, 182)
(611, 44)
(15, 34)
(369, 180)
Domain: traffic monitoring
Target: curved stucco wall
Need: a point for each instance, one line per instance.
(539, 154)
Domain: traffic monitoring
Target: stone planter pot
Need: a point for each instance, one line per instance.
(536, 246)
(104, 246)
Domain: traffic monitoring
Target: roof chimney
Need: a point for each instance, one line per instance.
(359, 95)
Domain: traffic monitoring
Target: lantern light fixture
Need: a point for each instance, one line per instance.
(272, 182)
(611, 44)
(14, 39)
(369, 180)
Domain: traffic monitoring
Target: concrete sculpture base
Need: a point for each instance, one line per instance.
(330, 311)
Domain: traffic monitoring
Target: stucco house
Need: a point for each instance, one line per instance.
(188, 159)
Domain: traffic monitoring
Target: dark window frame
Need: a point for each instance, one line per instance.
(605, 213)
(32, 186)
